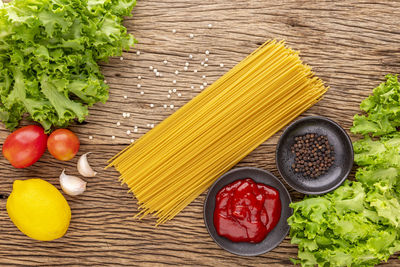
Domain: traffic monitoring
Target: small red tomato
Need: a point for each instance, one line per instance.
(63, 144)
(25, 146)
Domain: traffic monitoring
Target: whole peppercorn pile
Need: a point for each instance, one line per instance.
(313, 155)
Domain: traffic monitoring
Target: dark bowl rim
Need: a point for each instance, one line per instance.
(346, 138)
(222, 177)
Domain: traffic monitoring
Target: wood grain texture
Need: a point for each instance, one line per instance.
(350, 44)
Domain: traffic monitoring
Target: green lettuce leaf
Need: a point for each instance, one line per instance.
(383, 108)
(49, 51)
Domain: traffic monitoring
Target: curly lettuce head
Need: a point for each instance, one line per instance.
(49, 51)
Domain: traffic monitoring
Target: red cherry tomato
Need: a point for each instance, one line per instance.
(63, 144)
(25, 146)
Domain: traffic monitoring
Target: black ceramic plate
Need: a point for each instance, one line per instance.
(274, 238)
(343, 152)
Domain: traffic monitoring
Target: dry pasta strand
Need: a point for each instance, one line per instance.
(171, 165)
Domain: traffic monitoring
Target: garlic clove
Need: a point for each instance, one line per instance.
(72, 185)
(84, 168)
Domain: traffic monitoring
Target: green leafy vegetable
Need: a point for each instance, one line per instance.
(383, 108)
(358, 224)
(49, 51)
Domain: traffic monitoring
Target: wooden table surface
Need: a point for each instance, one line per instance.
(350, 44)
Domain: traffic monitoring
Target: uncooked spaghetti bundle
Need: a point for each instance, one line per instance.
(175, 162)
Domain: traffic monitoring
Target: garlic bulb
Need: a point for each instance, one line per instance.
(72, 185)
(84, 168)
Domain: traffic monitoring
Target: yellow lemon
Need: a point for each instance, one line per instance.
(38, 209)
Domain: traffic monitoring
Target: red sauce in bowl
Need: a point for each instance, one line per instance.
(246, 211)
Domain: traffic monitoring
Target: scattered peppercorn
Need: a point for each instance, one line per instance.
(313, 155)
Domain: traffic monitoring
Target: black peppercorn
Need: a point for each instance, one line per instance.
(313, 155)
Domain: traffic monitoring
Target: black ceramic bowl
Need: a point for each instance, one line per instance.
(343, 152)
(274, 238)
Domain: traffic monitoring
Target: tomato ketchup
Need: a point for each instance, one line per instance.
(246, 211)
